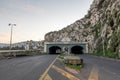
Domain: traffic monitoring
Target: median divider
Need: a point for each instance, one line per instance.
(74, 60)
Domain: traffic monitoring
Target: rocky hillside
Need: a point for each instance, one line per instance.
(100, 28)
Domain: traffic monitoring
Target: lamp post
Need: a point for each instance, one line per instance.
(11, 25)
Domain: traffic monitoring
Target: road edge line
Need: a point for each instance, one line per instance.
(94, 74)
(46, 71)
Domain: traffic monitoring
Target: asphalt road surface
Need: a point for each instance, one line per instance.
(25, 68)
(32, 68)
(107, 69)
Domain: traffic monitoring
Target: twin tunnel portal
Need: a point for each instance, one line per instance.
(66, 47)
(58, 50)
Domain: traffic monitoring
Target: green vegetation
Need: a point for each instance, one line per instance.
(107, 53)
(76, 67)
(111, 22)
(33, 52)
(13, 48)
(112, 51)
(99, 50)
(96, 30)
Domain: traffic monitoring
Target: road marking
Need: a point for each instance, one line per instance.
(47, 77)
(45, 73)
(94, 74)
(64, 73)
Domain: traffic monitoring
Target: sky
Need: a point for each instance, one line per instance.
(35, 18)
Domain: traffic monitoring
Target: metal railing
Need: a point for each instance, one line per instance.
(18, 52)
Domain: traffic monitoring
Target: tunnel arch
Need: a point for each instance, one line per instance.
(54, 50)
(77, 50)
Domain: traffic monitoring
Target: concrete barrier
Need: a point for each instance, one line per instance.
(9, 53)
(73, 60)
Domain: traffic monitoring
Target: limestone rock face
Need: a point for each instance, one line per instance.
(101, 26)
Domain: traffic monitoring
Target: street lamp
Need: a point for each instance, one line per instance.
(11, 25)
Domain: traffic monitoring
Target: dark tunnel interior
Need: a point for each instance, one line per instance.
(77, 50)
(54, 50)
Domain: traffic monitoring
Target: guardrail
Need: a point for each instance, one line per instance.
(11, 50)
(5, 53)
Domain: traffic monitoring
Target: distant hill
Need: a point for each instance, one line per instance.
(19, 44)
(22, 45)
(4, 45)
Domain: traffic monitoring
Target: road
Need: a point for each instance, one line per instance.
(32, 68)
(107, 69)
(25, 68)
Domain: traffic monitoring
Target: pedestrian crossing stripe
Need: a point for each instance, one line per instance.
(47, 77)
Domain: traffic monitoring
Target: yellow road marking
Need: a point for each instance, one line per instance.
(94, 74)
(45, 73)
(47, 77)
(64, 73)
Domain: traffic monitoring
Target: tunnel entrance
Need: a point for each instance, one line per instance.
(77, 50)
(54, 50)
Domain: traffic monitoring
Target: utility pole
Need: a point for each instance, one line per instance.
(11, 25)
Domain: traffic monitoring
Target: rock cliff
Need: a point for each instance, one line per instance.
(100, 28)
